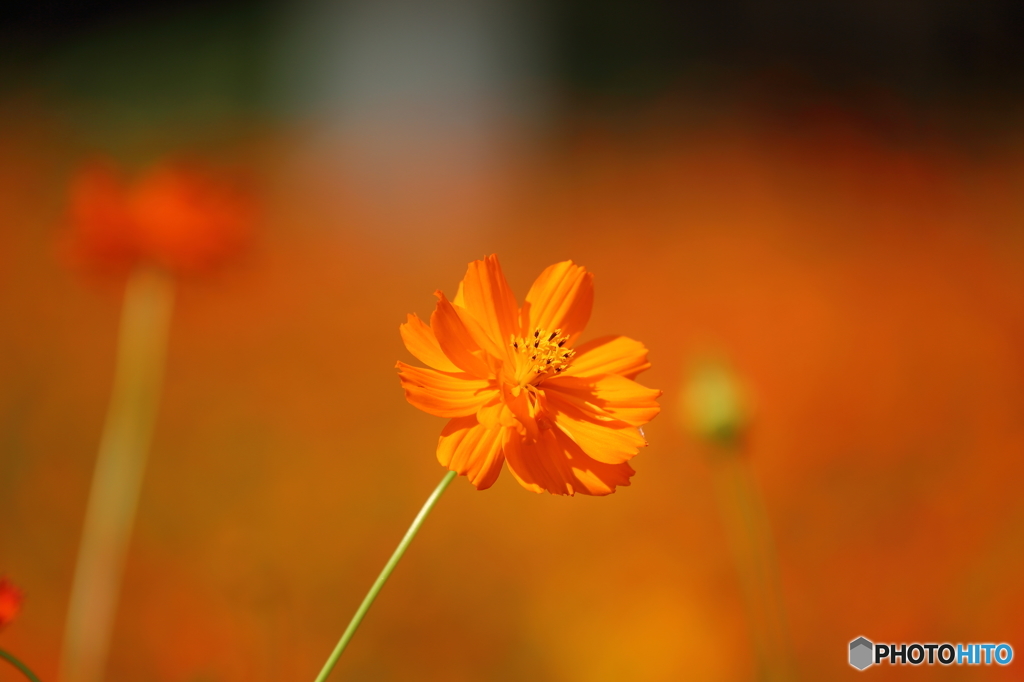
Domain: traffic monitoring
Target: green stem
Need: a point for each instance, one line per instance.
(19, 665)
(117, 478)
(383, 577)
(754, 551)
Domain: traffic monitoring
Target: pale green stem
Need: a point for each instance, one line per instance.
(19, 665)
(383, 577)
(113, 496)
(753, 548)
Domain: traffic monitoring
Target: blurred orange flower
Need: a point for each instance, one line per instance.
(10, 602)
(565, 420)
(175, 216)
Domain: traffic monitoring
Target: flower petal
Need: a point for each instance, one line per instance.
(419, 339)
(610, 355)
(553, 462)
(472, 450)
(525, 408)
(456, 340)
(188, 219)
(538, 464)
(101, 233)
(608, 395)
(485, 294)
(592, 477)
(494, 354)
(10, 602)
(606, 440)
(560, 298)
(444, 394)
(496, 413)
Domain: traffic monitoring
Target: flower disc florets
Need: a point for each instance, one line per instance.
(539, 355)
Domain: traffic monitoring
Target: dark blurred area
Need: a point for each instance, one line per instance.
(967, 56)
(927, 53)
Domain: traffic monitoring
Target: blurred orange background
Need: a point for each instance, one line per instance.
(864, 278)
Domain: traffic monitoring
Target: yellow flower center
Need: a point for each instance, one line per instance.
(539, 355)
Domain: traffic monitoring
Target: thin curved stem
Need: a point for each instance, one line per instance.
(757, 566)
(117, 478)
(19, 665)
(383, 577)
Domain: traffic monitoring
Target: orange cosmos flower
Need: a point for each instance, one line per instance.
(564, 418)
(174, 216)
(10, 602)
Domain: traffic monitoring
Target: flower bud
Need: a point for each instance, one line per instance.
(715, 405)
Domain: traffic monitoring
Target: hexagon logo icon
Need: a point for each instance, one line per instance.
(861, 653)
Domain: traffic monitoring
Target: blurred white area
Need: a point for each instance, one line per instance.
(412, 105)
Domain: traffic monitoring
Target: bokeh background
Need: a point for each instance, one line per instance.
(828, 195)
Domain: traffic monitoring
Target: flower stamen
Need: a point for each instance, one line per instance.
(544, 354)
